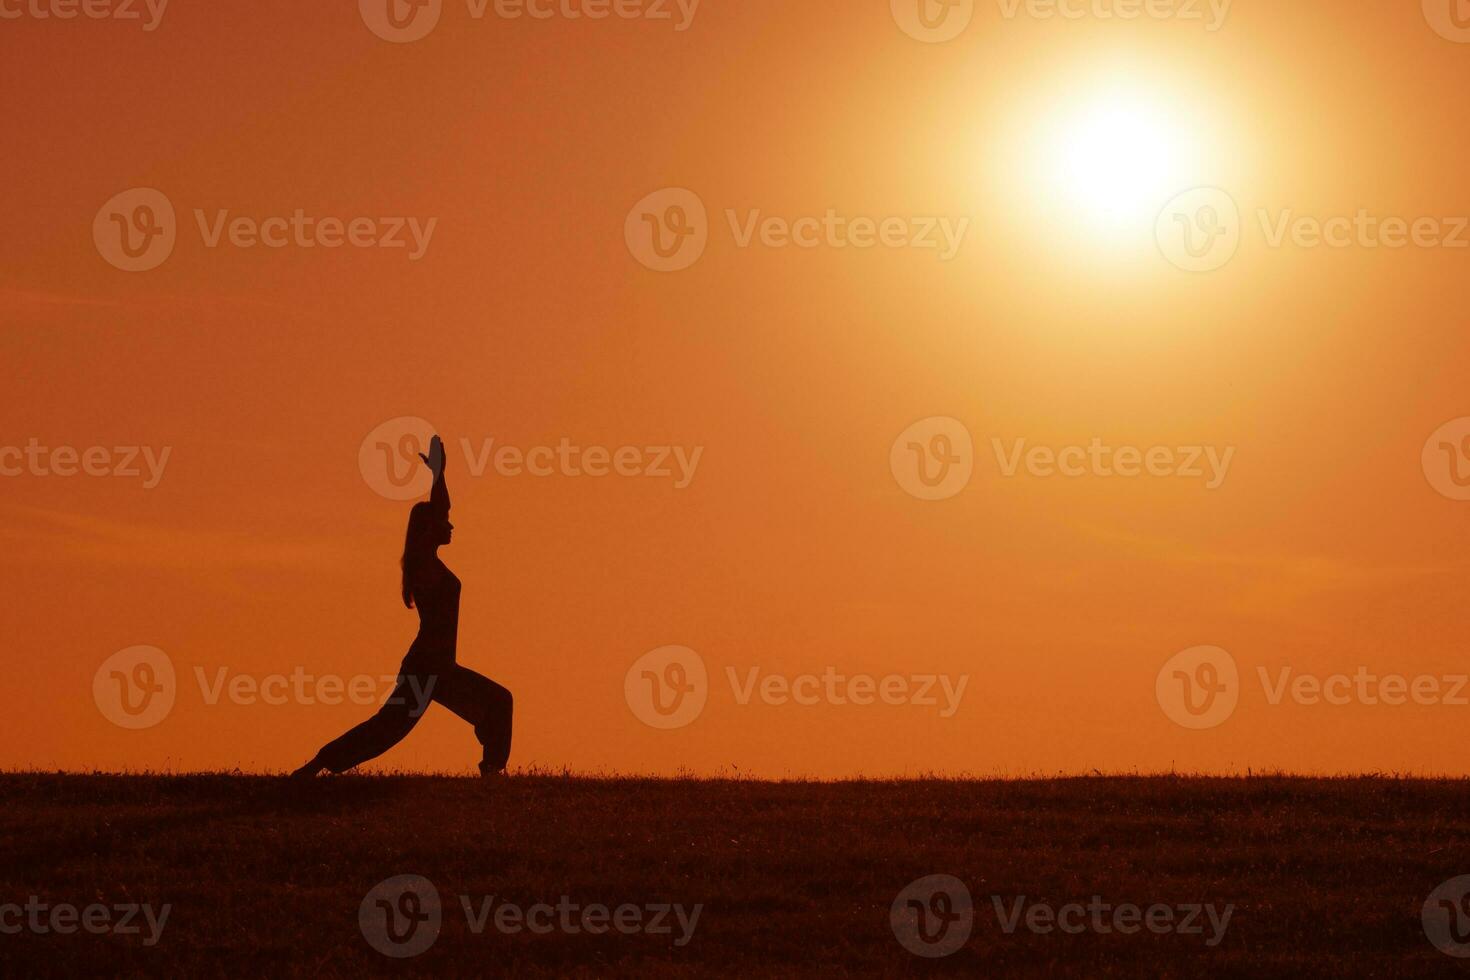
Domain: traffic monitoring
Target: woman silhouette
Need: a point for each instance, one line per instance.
(429, 670)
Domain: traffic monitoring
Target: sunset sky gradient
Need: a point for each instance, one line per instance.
(793, 549)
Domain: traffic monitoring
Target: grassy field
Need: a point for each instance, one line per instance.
(1322, 877)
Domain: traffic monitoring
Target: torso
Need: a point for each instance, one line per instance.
(436, 595)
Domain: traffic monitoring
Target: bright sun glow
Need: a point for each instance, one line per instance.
(1116, 160)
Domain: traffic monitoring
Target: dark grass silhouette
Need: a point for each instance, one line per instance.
(265, 876)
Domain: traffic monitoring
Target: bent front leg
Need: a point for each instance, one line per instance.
(486, 705)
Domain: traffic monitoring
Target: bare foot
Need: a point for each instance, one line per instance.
(308, 771)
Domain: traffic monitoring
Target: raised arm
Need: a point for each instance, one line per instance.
(439, 496)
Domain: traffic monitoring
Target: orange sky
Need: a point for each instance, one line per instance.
(793, 548)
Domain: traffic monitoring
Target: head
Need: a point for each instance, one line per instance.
(428, 528)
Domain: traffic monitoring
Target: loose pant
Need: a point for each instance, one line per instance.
(475, 698)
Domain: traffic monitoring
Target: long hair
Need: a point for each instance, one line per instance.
(416, 547)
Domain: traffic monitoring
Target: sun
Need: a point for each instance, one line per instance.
(1113, 157)
(1114, 160)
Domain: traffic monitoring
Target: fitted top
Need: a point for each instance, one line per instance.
(436, 596)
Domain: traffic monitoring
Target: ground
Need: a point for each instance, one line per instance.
(265, 877)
